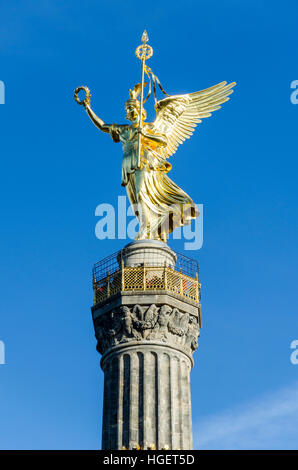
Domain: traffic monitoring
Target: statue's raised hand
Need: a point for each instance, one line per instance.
(85, 101)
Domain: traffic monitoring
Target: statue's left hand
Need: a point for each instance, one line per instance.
(139, 131)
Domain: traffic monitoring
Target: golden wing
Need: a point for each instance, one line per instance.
(177, 116)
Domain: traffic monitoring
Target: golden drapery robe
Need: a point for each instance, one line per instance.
(160, 205)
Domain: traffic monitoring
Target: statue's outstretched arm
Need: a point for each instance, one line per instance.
(103, 126)
(159, 139)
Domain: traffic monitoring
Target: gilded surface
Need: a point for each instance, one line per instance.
(158, 202)
(147, 279)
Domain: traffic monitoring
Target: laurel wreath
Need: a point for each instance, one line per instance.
(87, 97)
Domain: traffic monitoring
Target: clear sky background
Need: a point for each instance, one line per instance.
(56, 167)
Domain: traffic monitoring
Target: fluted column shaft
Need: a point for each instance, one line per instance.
(147, 398)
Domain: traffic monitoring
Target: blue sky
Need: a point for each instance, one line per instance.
(56, 168)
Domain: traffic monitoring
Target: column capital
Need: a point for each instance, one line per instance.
(144, 324)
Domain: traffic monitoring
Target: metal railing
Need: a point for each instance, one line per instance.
(112, 264)
(146, 278)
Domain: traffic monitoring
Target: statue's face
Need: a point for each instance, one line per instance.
(131, 112)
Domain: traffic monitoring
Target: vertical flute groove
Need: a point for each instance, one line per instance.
(189, 411)
(134, 400)
(106, 429)
(180, 404)
(141, 399)
(126, 401)
(120, 404)
(156, 400)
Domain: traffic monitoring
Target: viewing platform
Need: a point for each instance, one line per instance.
(127, 272)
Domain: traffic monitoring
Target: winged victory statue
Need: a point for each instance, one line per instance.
(159, 204)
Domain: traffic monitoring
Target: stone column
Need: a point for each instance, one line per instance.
(147, 339)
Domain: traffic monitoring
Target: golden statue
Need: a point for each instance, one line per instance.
(158, 202)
